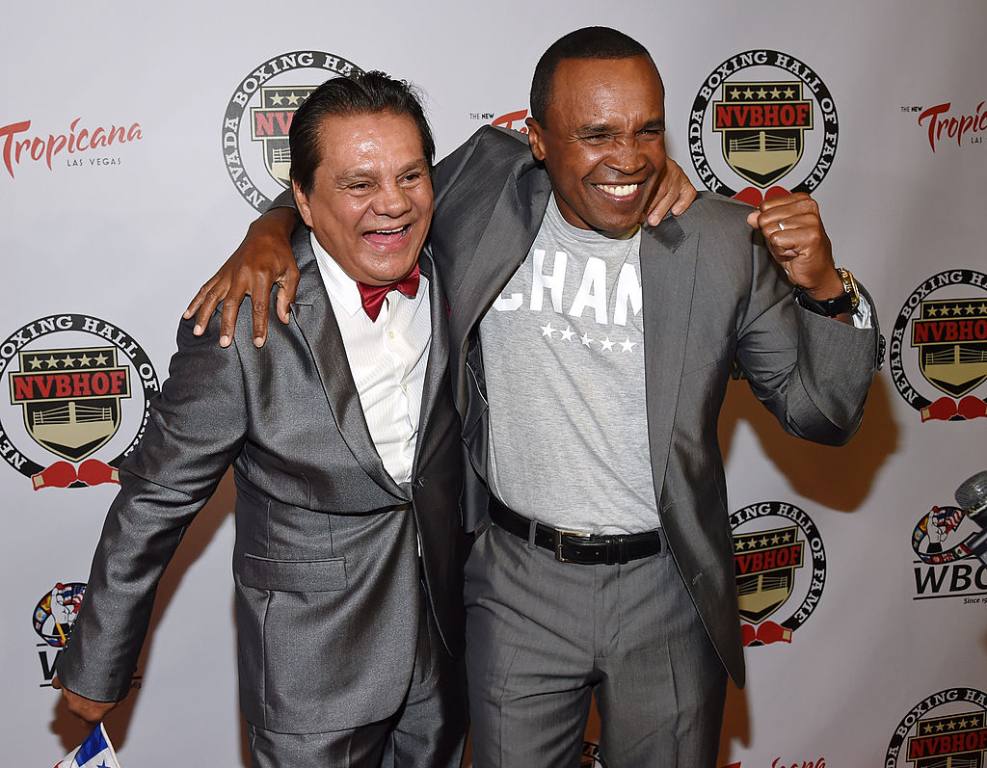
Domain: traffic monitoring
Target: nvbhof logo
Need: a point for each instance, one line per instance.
(258, 116)
(762, 124)
(780, 567)
(938, 351)
(79, 393)
(946, 729)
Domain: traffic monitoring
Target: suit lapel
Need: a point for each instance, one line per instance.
(668, 269)
(317, 323)
(438, 355)
(501, 249)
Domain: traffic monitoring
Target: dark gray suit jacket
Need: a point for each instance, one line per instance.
(327, 581)
(712, 294)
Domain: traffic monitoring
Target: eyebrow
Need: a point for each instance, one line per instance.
(360, 174)
(656, 123)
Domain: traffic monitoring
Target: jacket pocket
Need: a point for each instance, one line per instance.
(293, 575)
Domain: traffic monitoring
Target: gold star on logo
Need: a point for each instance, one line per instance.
(963, 723)
(950, 725)
(775, 93)
(101, 359)
(735, 93)
(52, 362)
(939, 727)
(932, 311)
(293, 98)
(749, 94)
(789, 93)
(85, 360)
(69, 361)
(928, 728)
(775, 539)
(35, 363)
(764, 541)
(277, 99)
(762, 93)
(983, 309)
(970, 309)
(785, 537)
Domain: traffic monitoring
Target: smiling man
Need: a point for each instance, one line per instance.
(345, 445)
(590, 357)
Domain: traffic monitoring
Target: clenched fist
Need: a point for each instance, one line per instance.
(796, 238)
(85, 709)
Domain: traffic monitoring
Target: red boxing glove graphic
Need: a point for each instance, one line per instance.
(61, 474)
(774, 192)
(96, 472)
(748, 634)
(750, 196)
(971, 407)
(770, 632)
(942, 409)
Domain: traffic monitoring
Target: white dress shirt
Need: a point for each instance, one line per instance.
(387, 358)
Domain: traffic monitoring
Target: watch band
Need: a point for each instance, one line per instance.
(846, 302)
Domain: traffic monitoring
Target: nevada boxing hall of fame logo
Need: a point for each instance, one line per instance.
(78, 392)
(763, 124)
(54, 619)
(945, 730)
(780, 566)
(258, 116)
(938, 353)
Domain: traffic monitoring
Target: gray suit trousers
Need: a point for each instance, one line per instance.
(428, 730)
(543, 636)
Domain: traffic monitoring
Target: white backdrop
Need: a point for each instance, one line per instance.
(871, 652)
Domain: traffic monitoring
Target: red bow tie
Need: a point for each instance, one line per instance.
(373, 296)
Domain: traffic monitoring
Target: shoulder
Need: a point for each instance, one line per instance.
(716, 214)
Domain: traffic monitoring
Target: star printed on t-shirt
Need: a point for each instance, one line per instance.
(585, 339)
(547, 330)
(607, 344)
(567, 334)
(627, 345)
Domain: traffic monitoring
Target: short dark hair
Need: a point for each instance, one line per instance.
(585, 43)
(361, 94)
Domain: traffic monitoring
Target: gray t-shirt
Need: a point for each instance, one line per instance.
(563, 357)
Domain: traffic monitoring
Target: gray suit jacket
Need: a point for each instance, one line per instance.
(712, 294)
(328, 595)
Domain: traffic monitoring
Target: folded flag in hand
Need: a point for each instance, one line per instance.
(95, 752)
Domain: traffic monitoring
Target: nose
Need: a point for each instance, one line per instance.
(627, 157)
(392, 201)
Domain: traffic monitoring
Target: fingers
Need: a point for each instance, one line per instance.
(663, 203)
(675, 193)
(259, 314)
(288, 287)
(227, 318)
(204, 304)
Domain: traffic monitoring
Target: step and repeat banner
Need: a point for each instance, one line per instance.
(137, 144)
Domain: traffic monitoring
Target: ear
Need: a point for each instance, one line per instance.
(301, 202)
(536, 139)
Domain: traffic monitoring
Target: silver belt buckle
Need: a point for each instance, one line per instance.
(559, 533)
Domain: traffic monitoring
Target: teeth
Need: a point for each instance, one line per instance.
(619, 190)
(388, 231)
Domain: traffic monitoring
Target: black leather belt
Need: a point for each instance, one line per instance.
(577, 547)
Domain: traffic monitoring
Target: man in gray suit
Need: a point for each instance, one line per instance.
(590, 357)
(345, 446)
